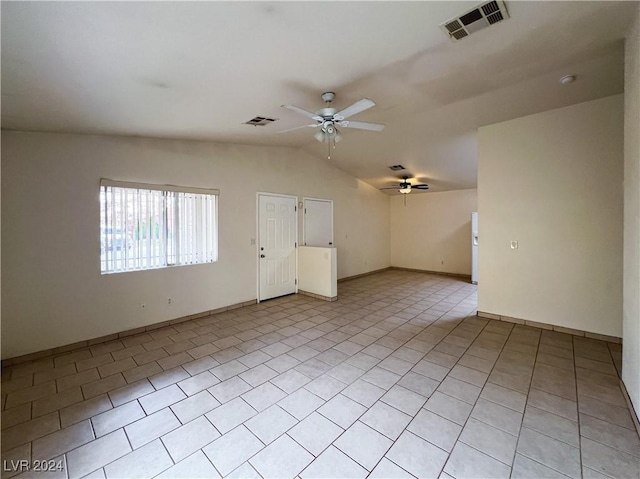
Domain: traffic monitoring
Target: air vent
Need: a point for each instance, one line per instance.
(260, 121)
(495, 18)
(459, 34)
(484, 15)
(489, 8)
(396, 167)
(453, 26)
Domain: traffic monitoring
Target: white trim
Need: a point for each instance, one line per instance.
(304, 206)
(147, 186)
(257, 251)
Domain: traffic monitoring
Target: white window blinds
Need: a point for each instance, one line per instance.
(152, 226)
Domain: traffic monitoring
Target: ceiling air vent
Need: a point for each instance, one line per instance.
(396, 167)
(484, 15)
(260, 121)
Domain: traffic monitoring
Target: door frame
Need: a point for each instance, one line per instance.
(257, 248)
(304, 219)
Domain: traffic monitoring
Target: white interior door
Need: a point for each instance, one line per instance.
(277, 220)
(318, 222)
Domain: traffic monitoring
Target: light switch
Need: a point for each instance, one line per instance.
(514, 244)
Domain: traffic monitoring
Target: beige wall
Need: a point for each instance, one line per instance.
(433, 231)
(553, 182)
(631, 302)
(52, 289)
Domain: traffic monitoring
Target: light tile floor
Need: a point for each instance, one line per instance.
(396, 379)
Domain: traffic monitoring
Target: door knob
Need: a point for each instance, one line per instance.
(262, 256)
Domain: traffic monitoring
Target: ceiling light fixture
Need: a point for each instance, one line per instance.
(328, 134)
(565, 80)
(328, 118)
(405, 187)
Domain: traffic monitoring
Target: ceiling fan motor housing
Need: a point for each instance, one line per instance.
(327, 113)
(328, 96)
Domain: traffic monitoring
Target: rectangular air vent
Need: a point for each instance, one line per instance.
(260, 121)
(484, 15)
(396, 167)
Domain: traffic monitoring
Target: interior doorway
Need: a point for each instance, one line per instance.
(277, 243)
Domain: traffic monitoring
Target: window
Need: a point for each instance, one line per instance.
(149, 226)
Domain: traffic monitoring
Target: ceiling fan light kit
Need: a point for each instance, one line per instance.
(325, 136)
(405, 187)
(328, 119)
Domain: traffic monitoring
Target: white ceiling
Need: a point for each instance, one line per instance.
(199, 70)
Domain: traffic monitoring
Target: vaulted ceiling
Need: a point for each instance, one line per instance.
(199, 70)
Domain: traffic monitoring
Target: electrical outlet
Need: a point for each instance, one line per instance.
(514, 244)
(169, 301)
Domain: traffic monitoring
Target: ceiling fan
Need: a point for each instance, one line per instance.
(329, 118)
(405, 187)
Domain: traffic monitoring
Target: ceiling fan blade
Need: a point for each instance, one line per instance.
(390, 188)
(315, 125)
(357, 107)
(303, 112)
(420, 187)
(362, 125)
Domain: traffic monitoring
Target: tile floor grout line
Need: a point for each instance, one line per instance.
(575, 375)
(436, 389)
(476, 401)
(524, 412)
(359, 417)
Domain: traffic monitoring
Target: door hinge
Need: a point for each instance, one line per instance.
(305, 211)
(295, 245)
(296, 281)
(295, 208)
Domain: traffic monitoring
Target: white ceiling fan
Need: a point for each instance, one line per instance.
(329, 118)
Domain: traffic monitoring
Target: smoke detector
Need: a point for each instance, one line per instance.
(565, 80)
(483, 16)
